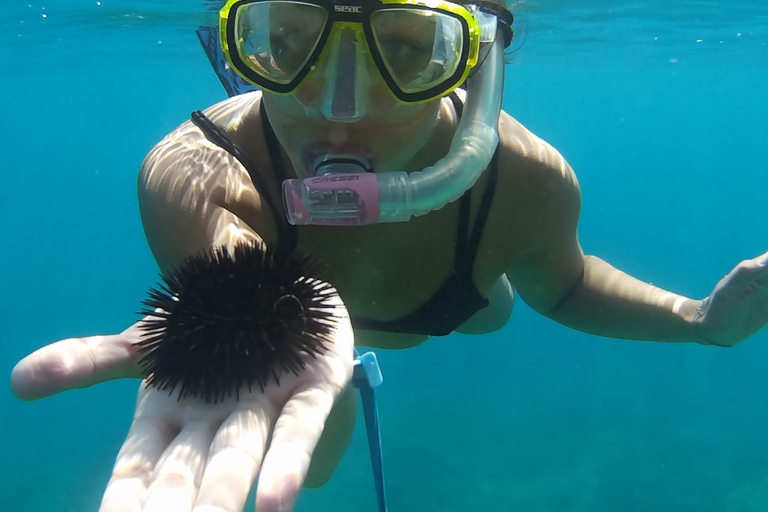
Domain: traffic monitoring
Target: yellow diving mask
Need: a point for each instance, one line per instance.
(421, 49)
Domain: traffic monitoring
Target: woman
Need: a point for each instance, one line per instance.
(334, 107)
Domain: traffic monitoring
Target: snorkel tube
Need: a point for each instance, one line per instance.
(360, 198)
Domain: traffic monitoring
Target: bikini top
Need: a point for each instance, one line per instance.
(455, 301)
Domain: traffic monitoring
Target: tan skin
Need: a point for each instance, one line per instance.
(385, 271)
(194, 196)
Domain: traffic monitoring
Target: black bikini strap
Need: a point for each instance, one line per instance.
(458, 106)
(483, 210)
(461, 257)
(275, 156)
(219, 136)
(286, 233)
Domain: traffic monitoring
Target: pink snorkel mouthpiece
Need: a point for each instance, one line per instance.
(337, 195)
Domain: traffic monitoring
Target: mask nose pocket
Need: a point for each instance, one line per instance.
(343, 100)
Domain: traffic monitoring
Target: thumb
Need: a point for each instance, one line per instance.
(76, 363)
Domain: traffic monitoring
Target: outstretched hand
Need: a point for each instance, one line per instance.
(190, 455)
(738, 306)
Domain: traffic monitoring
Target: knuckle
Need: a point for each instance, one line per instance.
(173, 480)
(132, 469)
(747, 267)
(280, 499)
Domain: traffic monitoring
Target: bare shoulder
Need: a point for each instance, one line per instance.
(531, 166)
(535, 181)
(185, 156)
(193, 194)
(537, 199)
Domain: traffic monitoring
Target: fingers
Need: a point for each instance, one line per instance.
(762, 260)
(294, 439)
(761, 282)
(159, 468)
(74, 363)
(147, 439)
(748, 275)
(179, 471)
(235, 459)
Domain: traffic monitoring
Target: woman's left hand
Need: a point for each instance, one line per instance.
(738, 306)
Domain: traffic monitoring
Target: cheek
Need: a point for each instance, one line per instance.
(288, 109)
(311, 90)
(406, 121)
(410, 129)
(381, 97)
(286, 116)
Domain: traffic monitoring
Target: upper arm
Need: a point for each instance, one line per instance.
(551, 260)
(193, 195)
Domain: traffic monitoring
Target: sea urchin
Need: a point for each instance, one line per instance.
(227, 319)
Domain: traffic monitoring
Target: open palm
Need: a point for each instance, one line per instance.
(183, 455)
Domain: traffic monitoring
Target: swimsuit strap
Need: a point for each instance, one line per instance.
(287, 236)
(458, 106)
(461, 258)
(483, 210)
(275, 156)
(286, 239)
(467, 244)
(219, 136)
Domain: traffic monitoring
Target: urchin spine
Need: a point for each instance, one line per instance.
(226, 320)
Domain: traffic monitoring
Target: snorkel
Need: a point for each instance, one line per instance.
(343, 193)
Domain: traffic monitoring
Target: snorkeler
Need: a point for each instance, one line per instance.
(376, 145)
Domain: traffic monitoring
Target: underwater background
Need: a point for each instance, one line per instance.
(660, 107)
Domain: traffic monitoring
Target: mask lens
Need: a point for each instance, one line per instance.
(276, 39)
(420, 48)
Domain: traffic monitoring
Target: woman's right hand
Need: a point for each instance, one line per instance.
(186, 454)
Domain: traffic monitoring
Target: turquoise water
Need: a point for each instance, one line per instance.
(659, 106)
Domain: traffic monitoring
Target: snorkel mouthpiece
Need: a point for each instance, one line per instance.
(342, 198)
(343, 191)
(350, 199)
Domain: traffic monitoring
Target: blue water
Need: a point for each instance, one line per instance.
(659, 106)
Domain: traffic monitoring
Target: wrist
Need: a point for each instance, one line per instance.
(696, 322)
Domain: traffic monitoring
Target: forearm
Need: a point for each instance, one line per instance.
(607, 302)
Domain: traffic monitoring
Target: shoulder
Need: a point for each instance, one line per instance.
(532, 164)
(536, 216)
(186, 156)
(535, 180)
(192, 193)
(536, 202)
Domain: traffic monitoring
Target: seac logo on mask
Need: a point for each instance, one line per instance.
(356, 9)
